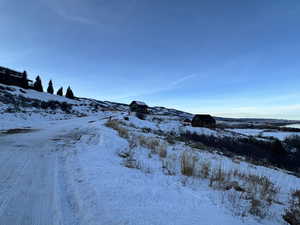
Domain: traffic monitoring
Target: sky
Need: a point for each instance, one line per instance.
(228, 58)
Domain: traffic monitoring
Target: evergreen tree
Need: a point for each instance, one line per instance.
(24, 80)
(38, 84)
(50, 89)
(69, 93)
(60, 92)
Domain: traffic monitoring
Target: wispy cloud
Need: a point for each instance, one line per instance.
(64, 8)
(105, 12)
(171, 86)
(74, 18)
(182, 80)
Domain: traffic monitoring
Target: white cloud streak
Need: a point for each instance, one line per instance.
(64, 8)
(74, 18)
(169, 87)
(104, 12)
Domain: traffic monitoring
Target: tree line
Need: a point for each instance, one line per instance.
(38, 86)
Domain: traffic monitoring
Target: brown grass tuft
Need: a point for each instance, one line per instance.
(188, 161)
(116, 125)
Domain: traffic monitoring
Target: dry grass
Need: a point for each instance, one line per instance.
(261, 185)
(259, 208)
(205, 170)
(188, 162)
(155, 145)
(162, 151)
(256, 192)
(245, 193)
(132, 163)
(292, 214)
(235, 200)
(116, 125)
(169, 165)
(219, 178)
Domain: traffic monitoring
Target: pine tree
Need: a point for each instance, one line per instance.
(50, 89)
(60, 92)
(38, 84)
(69, 93)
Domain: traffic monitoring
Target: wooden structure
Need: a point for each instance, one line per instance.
(203, 120)
(12, 77)
(139, 107)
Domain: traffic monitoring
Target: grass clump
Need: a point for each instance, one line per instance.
(154, 144)
(188, 162)
(115, 124)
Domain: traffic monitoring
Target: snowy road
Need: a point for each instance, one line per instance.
(31, 188)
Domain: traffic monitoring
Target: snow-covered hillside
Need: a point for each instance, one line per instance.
(89, 162)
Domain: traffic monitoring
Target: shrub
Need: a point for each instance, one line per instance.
(293, 141)
(66, 107)
(268, 190)
(258, 208)
(292, 214)
(171, 139)
(270, 152)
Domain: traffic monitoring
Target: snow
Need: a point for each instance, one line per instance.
(200, 130)
(168, 125)
(255, 132)
(75, 164)
(280, 135)
(67, 170)
(250, 132)
(43, 96)
(136, 122)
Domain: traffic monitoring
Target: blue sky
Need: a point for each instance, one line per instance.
(228, 58)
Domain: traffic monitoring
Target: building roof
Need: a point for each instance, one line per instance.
(12, 73)
(139, 103)
(203, 117)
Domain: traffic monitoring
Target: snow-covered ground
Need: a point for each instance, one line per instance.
(70, 168)
(69, 172)
(262, 133)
